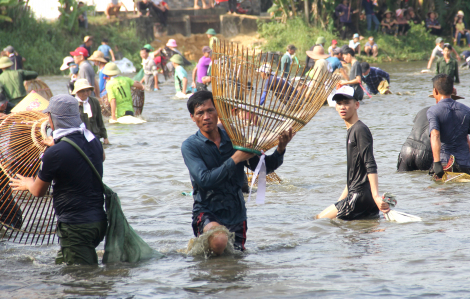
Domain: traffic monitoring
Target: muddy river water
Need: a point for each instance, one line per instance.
(289, 254)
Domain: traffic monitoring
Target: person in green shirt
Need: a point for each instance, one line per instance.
(448, 65)
(286, 60)
(213, 40)
(181, 76)
(12, 82)
(119, 92)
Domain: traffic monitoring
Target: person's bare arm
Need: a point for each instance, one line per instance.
(354, 81)
(456, 54)
(36, 187)
(374, 189)
(112, 103)
(138, 85)
(112, 54)
(185, 85)
(194, 77)
(344, 194)
(436, 145)
(430, 61)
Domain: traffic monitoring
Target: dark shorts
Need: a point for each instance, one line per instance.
(411, 159)
(131, 113)
(357, 206)
(239, 229)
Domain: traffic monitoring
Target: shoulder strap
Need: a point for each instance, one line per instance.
(84, 156)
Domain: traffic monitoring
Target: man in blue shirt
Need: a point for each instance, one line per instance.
(335, 63)
(373, 76)
(449, 126)
(217, 174)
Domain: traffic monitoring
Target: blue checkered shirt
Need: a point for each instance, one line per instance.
(376, 76)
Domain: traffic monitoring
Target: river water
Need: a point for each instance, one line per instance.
(289, 254)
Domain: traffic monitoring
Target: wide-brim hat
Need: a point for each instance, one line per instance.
(211, 31)
(317, 53)
(111, 69)
(388, 11)
(81, 84)
(171, 43)
(177, 58)
(65, 63)
(452, 96)
(5, 62)
(98, 56)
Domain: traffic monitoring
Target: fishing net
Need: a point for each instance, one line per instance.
(24, 218)
(450, 175)
(38, 86)
(138, 99)
(256, 102)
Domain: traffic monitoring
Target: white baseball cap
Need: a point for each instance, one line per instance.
(344, 92)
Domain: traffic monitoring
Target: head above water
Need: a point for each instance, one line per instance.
(202, 110)
(447, 49)
(346, 105)
(443, 86)
(348, 54)
(365, 68)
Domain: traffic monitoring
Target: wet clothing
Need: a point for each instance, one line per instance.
(119, 88)
(359, 203)
(451, 68)
(150, 72)
(286, 62)
(77, 192)
(452, 119)
(180, 74)
(12, 84)
(217, 181)
(376, 75)
(78, 242)
(280, 87)
(102, 82)
(416, 152)
(355, 71)
(17, 62)
(239, 229)
(95, 123)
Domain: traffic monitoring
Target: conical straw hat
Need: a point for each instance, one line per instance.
(32, 102)
(111, 69)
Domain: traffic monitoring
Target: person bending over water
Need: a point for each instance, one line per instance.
(449, 126)
(217, 174)
(360, 199)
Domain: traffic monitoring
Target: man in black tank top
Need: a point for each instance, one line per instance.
(360, 199)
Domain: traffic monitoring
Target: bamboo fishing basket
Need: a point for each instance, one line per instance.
(240, 77)
(270, 178)
(138, 99)
(24, 218)
(38, 86)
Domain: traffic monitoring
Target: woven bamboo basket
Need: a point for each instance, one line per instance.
(23, 217)
(270, 178)
(138, 98)
(240, 76)
(38, 86)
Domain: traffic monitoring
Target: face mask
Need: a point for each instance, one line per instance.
(365, 76)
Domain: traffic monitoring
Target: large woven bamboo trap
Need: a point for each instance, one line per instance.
(23, 217)
(241, 76)
(138, 99)
(38, 86)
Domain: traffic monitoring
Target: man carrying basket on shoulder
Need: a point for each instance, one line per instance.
(217, 174)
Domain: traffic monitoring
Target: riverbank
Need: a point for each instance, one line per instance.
(415, 46)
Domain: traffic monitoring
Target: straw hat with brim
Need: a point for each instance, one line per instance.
(177, 58)
(317, 53)
(453, 97)
(111, 69)
(211, 31)
(5, 62)
(388, 11)
(98, 56)
(81, 84)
